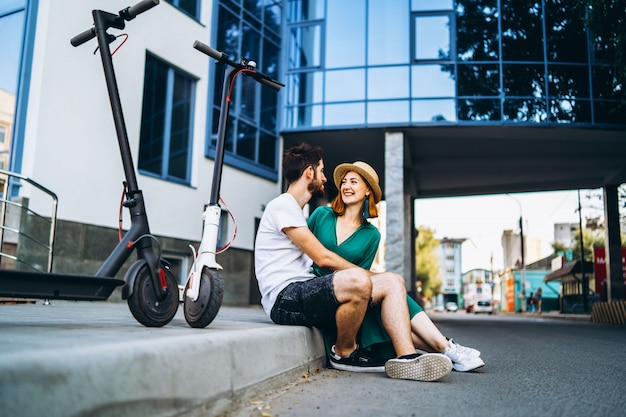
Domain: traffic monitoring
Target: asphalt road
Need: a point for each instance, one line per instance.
(535, 366)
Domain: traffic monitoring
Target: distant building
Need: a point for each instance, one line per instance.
(511, 249)
(477, 285)
(450, 267)
(565, 233)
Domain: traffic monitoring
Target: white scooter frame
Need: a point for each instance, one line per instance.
(204, 288)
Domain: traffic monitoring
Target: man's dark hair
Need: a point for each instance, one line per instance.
(299, 158)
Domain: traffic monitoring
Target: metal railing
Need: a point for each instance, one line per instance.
(22, 230)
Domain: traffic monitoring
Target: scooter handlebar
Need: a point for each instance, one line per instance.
(207, 50)
(128, 13)
(268, 82)
(83, 37)
(223, 58)
(140, 7)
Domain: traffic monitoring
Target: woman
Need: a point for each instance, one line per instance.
(343, 228)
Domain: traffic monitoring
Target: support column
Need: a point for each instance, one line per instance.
(398, 246)
(614, 274)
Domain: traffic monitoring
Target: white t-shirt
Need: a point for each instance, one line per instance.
(277, 260)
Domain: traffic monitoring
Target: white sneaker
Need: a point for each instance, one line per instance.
(464, 349)
(461, 359)
(419, 367)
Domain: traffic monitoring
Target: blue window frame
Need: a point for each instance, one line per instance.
(166, 121)
(432, 34)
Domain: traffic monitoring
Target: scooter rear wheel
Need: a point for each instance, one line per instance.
(200, 313)
(143, 303)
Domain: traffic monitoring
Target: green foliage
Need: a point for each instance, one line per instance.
(426, 264)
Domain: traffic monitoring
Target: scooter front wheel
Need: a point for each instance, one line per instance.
(200, 313)
(144, 304)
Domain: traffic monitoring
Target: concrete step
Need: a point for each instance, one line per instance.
(94, 359)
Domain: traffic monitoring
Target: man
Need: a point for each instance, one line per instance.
(285, 249)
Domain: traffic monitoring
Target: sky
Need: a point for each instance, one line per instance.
(482, 219)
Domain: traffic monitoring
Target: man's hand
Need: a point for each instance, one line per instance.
(306, 240)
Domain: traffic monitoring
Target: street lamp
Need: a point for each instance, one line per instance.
(521, 233)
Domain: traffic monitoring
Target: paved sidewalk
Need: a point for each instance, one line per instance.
(94, 359)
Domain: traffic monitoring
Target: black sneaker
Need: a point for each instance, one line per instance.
(358, 361)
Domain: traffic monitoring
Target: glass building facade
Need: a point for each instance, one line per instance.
(376, 62)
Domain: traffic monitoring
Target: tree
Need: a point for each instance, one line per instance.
(591, 239)
(426, 263)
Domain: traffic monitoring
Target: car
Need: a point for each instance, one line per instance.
(483, 306)
(452, 307)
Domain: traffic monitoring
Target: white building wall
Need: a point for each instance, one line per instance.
(70, 143)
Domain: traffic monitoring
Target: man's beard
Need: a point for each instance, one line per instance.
(316, 188)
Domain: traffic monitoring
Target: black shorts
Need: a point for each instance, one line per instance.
(307, 303)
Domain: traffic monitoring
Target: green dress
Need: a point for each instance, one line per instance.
(360, 249)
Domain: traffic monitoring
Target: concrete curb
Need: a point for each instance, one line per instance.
(141, 372)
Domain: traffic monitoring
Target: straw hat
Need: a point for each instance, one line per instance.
(364, 170)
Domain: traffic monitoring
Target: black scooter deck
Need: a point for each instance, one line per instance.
(24, 284)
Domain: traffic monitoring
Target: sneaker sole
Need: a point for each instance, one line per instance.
(354, 368)
(427, 367)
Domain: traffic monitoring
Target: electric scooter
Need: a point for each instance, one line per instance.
(205, 287)
(150, 287)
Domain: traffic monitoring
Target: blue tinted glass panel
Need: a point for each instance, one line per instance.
(476, 26)
(165, 137)
(153, 116)
(304, 88)
(389, 82)
(396, 111)
(433, 111)
(191, 7)
(478, 80)
(608, 112)
(524, 80)
(250, 43)
(526, 110)
(565, 32)
(387, 33)
(428, 5)
(11, 29)
(522, 31)
(304, 47)
(273, 16)
(345, 85)
(303, 10)
(180, 129)
(570, 81)
(304, 116)
(345, 34)
(246, 140)
(344, 114)
(604, 83)
(432, 37)
(431, 81)
(267, 150)
(478, 110)
(570, 111)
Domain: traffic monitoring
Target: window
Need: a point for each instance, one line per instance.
(191, 7)
(431, 36)
(3, 133)
(165, 138)
(251, 30)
